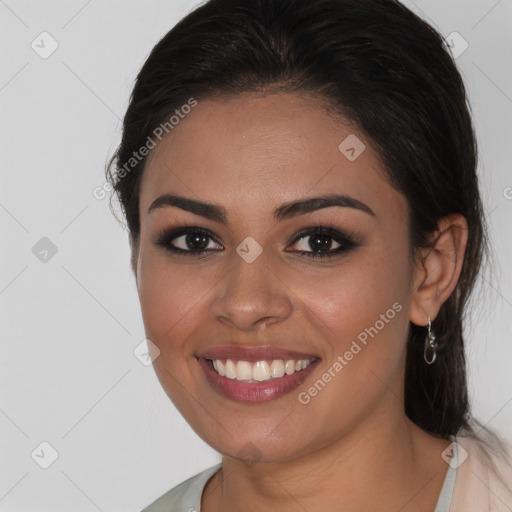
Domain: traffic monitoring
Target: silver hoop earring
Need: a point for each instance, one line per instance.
(430, 345)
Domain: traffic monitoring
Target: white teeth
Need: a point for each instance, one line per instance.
(289, 367)
(230, 369)
(277, 368)
(260, 370)
(243, 370)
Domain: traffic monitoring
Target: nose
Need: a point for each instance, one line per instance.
(251, 296)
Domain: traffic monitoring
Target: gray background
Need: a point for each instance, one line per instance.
(69, 325)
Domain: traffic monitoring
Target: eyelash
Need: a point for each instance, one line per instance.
(348, 241)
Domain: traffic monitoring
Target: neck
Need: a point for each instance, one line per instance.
(386, 464)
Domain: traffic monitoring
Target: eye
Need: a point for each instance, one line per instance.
(322, 242)
(314, 242)
(189, 240)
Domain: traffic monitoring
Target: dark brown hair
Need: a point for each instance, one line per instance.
(382, 68)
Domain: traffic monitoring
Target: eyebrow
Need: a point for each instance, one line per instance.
(285, 211)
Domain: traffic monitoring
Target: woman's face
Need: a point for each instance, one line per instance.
(257, 294)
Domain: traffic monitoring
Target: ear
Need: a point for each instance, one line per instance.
(437, 269)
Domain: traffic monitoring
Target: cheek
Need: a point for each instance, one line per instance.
(364, 367)
(170, 297)
(361, 309)
(354, 295)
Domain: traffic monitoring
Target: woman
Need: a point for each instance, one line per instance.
(299, 183)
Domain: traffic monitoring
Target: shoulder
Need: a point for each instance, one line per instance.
(185, 497)
(484, 475)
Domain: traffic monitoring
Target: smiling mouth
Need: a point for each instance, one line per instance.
(258, 371)
(258, 380)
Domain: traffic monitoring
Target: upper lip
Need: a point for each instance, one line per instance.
(252, 354)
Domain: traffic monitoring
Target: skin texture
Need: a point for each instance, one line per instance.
(352, 443)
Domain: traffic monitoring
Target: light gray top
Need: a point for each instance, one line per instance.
(445, 498)
(186, 497)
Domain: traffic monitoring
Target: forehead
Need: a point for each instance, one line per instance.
(250, 152)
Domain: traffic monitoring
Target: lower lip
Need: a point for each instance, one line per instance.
(254, 392)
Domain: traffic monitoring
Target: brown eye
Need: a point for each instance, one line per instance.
(188, 240)
(194, 242)
(317, 243)
(321, 242)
